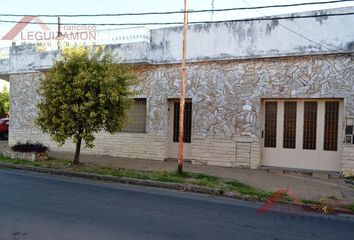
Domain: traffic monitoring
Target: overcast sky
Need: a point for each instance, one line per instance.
(124, 6)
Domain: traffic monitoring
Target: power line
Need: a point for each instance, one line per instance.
(195, 22)
(175, 12)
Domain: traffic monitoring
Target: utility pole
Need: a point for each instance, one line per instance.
(59, 33)
(183, 89)
(212, 10)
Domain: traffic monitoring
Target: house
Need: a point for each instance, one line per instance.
(274, 93)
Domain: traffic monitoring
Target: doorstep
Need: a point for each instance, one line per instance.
(302, 172)
(175, 160)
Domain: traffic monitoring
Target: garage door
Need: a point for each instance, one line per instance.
(304, 134)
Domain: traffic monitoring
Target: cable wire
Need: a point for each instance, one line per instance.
(193, 22)
(174, 12)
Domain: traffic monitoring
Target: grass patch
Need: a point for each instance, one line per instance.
(172, 177)
(51, 163)
(350, 207)
(201, 179)
(108, 171)
(245, 189)
(311, 202)
(198, 179)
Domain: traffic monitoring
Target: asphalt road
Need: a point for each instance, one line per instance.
(36, 206)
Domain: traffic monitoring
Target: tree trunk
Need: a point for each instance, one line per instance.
(77, 152)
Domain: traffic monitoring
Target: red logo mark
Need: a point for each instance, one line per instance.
(275, 198)
(22, 24)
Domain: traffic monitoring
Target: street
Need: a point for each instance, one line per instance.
(38, 206)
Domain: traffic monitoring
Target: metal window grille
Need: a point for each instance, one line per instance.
(331, 126)
(289, 132)
(310, 126)
(187, 132)
(136, 117)
(270, 138)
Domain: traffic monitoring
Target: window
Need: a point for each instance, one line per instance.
(310, 125)
(289, 133)
(136, 121)
(187, 122)
(331, 126)
(270, 138)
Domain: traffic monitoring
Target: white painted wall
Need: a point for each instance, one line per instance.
(254, 39)
(4, 84)
(217, 41)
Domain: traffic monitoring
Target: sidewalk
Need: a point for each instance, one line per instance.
(304, 187)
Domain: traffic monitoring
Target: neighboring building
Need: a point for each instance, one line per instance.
(258, 94)
(4, 85)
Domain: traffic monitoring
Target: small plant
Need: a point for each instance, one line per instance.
(4, 102)
(326, 205)
(350, 207)
(29, 147)
(350, 178)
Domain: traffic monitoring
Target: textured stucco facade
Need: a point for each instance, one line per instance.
(232, 68)
(226, 97)
(23, 111)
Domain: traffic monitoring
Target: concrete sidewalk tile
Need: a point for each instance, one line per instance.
(303, 186)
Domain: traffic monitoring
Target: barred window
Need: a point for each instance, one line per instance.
(136, 121)
(310, 126)
(289, 133)
(270, 138)
(331, 126)
(187, 126)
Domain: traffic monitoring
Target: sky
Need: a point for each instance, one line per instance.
(59, 7)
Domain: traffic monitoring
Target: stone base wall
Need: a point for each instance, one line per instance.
(218, 151)
(130, 145)
(31, 156)
(348, 160)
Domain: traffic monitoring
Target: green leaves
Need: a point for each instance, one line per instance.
(84, 93)
(4, 102)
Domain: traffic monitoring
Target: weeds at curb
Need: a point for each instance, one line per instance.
(219, 185)
(195, 182)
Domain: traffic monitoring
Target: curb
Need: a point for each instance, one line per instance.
(134, 181)
(349, 181)
(156, 184)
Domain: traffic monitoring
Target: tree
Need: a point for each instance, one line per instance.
(84, 93)
(4, 102)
